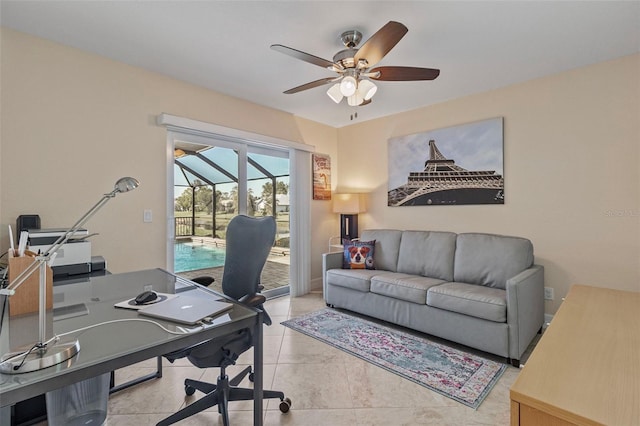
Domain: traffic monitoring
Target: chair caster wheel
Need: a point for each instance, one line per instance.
(251, 377)
(189, 390)
(285, 405)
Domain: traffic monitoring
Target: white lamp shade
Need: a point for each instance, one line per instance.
(349, 203)
(348, 86)
(355, 100)
(367, 89)
(334, 93)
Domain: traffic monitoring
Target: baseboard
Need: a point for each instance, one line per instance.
(316, 284)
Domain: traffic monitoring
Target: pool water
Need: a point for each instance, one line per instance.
(192, 256)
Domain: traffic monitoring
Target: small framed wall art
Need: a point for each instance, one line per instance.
(321, 176)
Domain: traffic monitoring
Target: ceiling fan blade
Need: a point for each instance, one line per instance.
(303, 56)
(379, 44)
(404, 73)
(311, 85)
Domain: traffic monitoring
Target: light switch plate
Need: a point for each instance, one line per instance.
(147, 216)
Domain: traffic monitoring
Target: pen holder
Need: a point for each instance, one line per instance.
(26, 298)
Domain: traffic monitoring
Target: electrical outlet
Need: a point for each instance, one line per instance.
(548, 293)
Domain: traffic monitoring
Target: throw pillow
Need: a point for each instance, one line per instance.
(358, 254)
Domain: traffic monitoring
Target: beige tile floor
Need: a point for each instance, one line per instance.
(327, 387)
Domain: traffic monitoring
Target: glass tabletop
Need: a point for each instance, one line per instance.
(109, 337)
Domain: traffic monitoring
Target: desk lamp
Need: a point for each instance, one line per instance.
(45, 354)
(349, 206)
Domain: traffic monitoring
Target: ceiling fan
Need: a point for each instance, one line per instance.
(354, 65)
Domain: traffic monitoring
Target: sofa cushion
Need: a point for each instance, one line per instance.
(358, 254)
(403, 286)
(356, 279)
(387, 246)
(426, 253)
(469, 299)
(490, 260)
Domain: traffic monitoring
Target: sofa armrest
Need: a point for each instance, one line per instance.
(331, 260)
(525, 308)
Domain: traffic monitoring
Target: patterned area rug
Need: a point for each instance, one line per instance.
(461, 376)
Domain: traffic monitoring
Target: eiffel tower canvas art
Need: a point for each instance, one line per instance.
(476, 179)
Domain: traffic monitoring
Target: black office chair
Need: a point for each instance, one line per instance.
(249, 241)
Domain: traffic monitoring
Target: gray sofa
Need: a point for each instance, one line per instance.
(479, 290)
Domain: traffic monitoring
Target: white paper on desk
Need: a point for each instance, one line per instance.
(11, 242)
(22, 244)
(131, 304)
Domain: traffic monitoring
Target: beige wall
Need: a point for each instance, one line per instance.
(72, 123)
(324, 223)
(572, 172)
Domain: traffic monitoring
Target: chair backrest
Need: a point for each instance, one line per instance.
(249, 241)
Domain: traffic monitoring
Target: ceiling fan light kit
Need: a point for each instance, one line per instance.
(364, 91)
(354, 100)
(367, 89)
(354, 65)
(348, 86)
(335, 93)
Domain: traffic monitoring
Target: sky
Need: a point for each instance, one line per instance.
(228, 160)
(473, 146)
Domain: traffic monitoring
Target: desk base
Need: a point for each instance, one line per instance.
(116, 388)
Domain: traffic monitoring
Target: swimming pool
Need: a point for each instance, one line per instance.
(192, 256)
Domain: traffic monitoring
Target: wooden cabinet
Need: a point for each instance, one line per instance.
(586, 368)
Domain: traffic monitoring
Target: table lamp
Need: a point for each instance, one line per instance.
(349, 206)
(43, 354)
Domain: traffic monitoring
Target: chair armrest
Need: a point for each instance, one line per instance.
(256, 301)
(525, 308)
(204, 280)
(253, 300)
(331, 260)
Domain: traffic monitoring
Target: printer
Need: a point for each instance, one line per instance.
(74, 257)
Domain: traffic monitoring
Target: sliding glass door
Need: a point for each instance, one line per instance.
(268, 195)
(215, 180)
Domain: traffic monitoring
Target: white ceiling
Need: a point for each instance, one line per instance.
(224, 45)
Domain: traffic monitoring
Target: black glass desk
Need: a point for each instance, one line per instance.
(34, 410)
(63, 308)
(113, 345)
